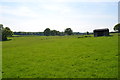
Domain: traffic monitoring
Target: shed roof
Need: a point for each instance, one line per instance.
(101, 29)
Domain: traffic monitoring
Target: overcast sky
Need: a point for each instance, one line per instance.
(79, 15)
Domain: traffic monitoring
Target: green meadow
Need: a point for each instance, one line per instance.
(60, 57)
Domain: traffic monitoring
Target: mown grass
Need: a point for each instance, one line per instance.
(60, 57)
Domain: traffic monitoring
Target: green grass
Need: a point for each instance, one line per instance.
(60, 57)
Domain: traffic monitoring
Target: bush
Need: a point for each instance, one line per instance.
(5, 32)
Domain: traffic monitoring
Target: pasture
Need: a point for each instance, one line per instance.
(60, 57)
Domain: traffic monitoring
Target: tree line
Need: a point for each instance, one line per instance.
(7, 32)
(47, 32)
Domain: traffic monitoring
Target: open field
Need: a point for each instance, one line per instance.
(60, 57)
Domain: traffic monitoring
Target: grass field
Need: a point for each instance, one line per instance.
(60, 57)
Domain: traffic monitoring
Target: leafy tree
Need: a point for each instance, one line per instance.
(47, 32)
(87, 33)
(68, 31)
(1, 28)
(117, 27)
(53, 32)
(8, 31)
(5, 32)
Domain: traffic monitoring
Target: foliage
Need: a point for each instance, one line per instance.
(54, 32)
(5, 32)
(47, 32)
(87, 33)
(60, 57)
(117, 27)
(68, 31)
(1, 28)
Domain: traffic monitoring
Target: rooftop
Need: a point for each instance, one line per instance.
(101, 29)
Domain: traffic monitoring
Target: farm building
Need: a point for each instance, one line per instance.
(101, 32)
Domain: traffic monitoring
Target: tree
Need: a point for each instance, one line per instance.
(1, 28)
(5, 32)
(68, 31)
(47, 32)
(87, 33)
(117, 27)
(53, 32)
(8, 32)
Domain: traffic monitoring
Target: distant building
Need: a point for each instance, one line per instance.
(101, 32)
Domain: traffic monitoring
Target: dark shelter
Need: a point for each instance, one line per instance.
(101, 32)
